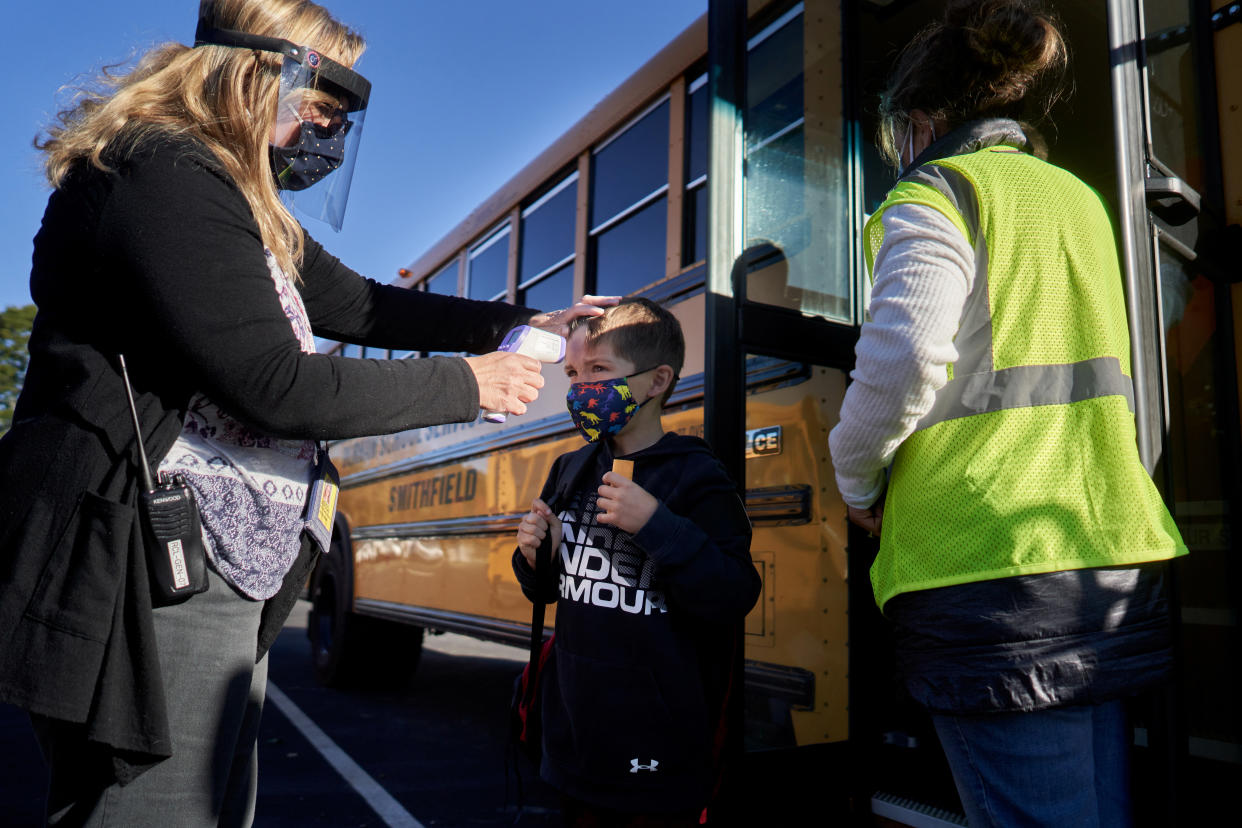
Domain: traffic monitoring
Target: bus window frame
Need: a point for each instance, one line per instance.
(692, 187)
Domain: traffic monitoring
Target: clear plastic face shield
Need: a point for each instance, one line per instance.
(316, 127)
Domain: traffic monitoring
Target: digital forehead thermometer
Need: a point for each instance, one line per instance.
(544, 346)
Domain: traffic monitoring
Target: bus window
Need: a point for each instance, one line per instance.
(545, 274)
(797, 193)
(487, 276)
(630, 255)
(1171, 84)
(629, 210)
(548, 231)
(443, 282)
(694, 244)
(550, 290)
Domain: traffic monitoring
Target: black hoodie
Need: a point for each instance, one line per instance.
(648, 629)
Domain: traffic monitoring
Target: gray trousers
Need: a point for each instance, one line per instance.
(215, 698)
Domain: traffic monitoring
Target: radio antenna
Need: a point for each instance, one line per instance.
(133, 413)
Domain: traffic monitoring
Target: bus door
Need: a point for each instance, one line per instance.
(791, 178)
(785, 299)
(1171, 190)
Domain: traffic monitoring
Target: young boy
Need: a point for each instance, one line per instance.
(654, 579)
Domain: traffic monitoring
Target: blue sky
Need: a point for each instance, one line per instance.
(465, 93)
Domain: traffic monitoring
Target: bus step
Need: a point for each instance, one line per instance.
(905, 811)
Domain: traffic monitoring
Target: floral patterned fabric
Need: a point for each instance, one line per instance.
(251, 487)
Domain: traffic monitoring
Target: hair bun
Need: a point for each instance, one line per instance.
(980, 59)
(1014, 41)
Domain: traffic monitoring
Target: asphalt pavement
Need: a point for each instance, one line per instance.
(430, 755)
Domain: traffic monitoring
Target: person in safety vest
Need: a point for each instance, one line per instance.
(988, 436)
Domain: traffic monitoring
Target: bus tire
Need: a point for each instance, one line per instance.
(352, 650)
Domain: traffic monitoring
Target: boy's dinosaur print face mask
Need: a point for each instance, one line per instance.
(603, 407)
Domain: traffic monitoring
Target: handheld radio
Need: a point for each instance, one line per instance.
(171, 527)
(544, 346)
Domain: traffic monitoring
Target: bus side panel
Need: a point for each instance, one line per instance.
(804, 620)
(442, 537)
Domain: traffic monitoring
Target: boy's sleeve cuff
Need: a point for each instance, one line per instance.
(667, 538)
(524, 572)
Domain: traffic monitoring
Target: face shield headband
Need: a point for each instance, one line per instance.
(316, 127)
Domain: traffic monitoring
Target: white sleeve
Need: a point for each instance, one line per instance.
(924, 271)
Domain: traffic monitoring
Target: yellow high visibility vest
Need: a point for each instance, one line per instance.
(1027, 461)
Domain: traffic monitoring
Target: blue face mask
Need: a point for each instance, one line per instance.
(601, 408)
(318, 151)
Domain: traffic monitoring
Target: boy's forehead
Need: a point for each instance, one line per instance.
(598, 349)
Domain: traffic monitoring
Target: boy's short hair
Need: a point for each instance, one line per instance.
(641, 331)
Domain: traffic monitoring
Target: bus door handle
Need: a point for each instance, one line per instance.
(1171, 199)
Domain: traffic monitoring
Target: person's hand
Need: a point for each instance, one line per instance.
(539, 521)
(624, 504)
(557, 322)
(507, 381)
(871, 518)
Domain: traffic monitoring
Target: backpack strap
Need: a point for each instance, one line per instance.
(571, 479)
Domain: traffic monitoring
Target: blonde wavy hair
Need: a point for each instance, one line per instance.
(225, 97)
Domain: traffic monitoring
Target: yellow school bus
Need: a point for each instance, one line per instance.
(729, 179)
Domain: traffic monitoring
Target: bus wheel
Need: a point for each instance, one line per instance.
(351, 650)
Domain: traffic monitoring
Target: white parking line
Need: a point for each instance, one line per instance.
(380, 800)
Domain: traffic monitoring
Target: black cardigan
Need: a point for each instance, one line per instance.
(160, 259)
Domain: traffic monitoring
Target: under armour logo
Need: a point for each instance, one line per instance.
(635, 766)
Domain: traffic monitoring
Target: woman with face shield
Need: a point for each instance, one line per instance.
(170, 267)
(308, 139)
(988, 437)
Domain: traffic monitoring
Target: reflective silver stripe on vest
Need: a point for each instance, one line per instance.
(1028, 385)
(976, 388)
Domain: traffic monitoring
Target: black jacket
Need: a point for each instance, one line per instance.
(1033, 642)
(633, 696)
(161, 260)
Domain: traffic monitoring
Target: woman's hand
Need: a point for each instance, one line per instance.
(624, 504)
(557, 322)
(871, 518)
(507, 381)
(535, 527)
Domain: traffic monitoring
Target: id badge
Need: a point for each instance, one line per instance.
(321, 501)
